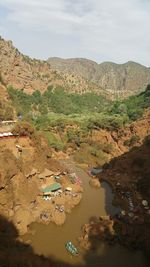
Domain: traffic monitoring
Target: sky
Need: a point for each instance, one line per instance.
(100, 30)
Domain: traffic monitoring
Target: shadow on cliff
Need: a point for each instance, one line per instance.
(109, 197)
(130, 172)
(14, 253)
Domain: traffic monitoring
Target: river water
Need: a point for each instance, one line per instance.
(50, 240)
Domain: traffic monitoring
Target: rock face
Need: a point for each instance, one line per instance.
(116, 79)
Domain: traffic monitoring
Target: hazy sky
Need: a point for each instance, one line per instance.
(102, 30)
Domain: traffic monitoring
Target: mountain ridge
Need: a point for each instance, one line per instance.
(24, 73)
(74, 75)
(112, 77)
(95, 62)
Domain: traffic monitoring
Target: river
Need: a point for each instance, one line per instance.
(50, 240)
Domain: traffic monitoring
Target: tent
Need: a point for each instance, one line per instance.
(51, 188)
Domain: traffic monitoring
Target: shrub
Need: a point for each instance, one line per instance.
(98, 153)
(134, 139)
(74, 136)
(127, 142)
(58, 146)
(107, 148)
(54, 142)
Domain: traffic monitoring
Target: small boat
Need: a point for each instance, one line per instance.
(71, 248)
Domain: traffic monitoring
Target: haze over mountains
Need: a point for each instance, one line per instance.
(74, 75)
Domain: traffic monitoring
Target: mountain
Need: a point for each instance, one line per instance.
(122, 79)
(73, 75)
(22, 72)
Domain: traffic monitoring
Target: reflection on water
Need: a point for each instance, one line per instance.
(50, 239)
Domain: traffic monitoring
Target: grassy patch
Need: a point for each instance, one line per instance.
(54, 142)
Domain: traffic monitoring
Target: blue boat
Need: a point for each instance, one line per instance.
(71, 248)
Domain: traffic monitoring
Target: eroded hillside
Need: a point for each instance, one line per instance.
(26, 168)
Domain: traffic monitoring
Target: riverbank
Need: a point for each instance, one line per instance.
(128, 177)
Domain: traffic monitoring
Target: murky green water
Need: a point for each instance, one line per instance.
(50, 239)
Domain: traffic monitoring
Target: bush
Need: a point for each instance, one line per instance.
(107, 148)
(58, 146)
(53, 142)
(134, 139)
(105, 121)
(98, 153)
(75, 136)
(127, 142)
(133, 106)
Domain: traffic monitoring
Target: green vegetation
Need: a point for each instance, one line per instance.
(57, 101)
(96, 111)
(76, 136)
(54, 142)
(74, 116)
(91, 153)
(133, 140)
(134, 106)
